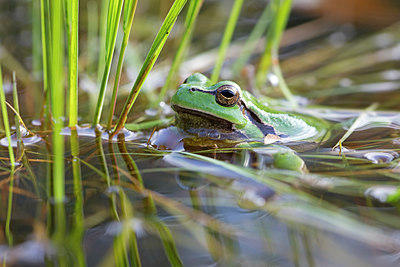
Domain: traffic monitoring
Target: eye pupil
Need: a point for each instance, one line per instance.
(228, 93)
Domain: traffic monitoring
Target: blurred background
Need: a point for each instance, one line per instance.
(338, 21)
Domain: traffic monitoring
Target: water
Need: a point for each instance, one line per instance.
(163, 202)
(211, 212)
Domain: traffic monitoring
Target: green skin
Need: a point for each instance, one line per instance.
(200, 112)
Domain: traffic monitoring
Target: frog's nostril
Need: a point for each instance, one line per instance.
(192, 89)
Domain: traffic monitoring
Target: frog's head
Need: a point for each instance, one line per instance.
(197, 79)
(225, 110)
(199, 103)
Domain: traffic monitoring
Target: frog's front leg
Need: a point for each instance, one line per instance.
(279, 156)
(288, 159)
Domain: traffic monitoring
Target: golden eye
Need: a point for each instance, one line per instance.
(227, 95)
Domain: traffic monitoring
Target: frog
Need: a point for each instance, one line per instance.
(222, 112)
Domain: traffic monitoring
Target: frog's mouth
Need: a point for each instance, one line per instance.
(190, 118)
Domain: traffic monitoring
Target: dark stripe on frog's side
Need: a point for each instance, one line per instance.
(264, 128)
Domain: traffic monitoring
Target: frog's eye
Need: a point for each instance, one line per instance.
(227, 95)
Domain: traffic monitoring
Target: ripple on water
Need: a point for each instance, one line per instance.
(27, 138)
(89, 131)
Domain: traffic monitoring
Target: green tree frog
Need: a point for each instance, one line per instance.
(223, 111)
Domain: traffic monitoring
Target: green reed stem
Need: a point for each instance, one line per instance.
(356, 124)
(72, 11)
(16, 117)
(43, 42)
(212, 239)
(151, 58)
(106, 174)
(6, 122)
(168, 241)
(121, 242)
(251, 42)
(271, 45)
(36, 91)
(57, 97)
(226, 39)
(129, 13)
(8, 233)
(102, 37)
(36, 57)
(270, 58)
(149, 206)
(92, 33)
(134, 255)
(113, 18)
(191, 16)
(46, 40)
(60, 226)
(119, 245)
(78, 229)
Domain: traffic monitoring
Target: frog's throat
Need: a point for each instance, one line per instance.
(185, 119)
(189, 118)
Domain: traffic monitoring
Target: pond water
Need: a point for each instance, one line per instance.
(225, 207)
(131, 202)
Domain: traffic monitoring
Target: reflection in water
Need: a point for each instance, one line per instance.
(28, 138)
(184, 208)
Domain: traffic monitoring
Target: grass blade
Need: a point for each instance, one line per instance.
(191, 16)
(355, 125)
(8, 233)
(36, 57)
(113, 18)
(17, 119)
(254, 36)
(102, 36)
(78, 229)
(5, 121)
(92, 31)
(45, 31)
(12, 161)
(226, 39)
(72, 9)
(57, 96)
(150, 60)
(129, 13)
(270, 58)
